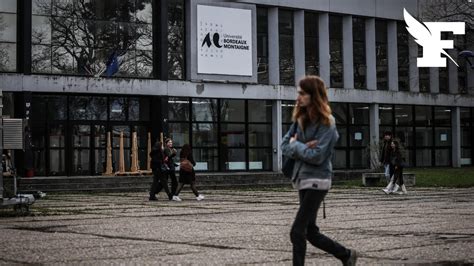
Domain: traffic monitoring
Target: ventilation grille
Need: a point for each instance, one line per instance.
(12, 134)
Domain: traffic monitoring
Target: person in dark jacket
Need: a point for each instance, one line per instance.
(187, 177)
(170, 154)
(312, 147)
(160, 175)
(385, 154)
(396, 170)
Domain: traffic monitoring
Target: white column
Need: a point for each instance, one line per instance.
(273, 47)
(456, 132)
(370, 54)
(392, 56)
(347, 52)
(298, 44)
(277, 135)
(324, 65)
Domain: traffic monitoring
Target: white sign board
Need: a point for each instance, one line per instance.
(224, 41)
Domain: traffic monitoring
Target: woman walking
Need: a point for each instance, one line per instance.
(186, 172)
(160, 172)
(396, 170)
(312, 147)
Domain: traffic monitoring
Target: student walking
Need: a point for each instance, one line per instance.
(396, 170)
(187, 175)
(312, 148)
(170, 154)
(385, 154)
(160, 172)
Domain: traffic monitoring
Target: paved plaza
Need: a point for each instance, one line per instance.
(425, 227)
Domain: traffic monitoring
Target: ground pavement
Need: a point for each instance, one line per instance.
(425, 227)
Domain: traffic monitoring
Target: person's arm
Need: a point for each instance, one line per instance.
(191, 159)
(327, 136)
(285, 144)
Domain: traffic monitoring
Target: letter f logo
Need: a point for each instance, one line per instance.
(429, 37)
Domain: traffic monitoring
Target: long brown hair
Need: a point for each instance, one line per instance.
(318, 110)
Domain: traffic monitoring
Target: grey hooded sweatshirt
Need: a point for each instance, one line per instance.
(313, 167)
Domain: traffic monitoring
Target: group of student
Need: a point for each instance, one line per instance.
(163, 165)
(393, 163)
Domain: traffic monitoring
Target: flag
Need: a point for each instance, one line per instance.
(112, 64)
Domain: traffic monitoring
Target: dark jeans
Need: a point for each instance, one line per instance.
(397, 174)
(160, 181)
(304, 228)
(174, 182)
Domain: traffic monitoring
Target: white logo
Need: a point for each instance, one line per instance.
(429, 37)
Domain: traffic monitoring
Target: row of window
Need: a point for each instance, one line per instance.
(79, 37)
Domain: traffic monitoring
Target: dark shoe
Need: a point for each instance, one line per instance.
(152, 198)
(351, 261)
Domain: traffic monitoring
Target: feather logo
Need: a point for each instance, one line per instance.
(428, 35)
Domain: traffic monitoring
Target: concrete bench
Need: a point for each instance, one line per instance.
(371, 179)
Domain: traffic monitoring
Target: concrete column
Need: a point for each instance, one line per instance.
(347, 52)
(370, 54)
(374, 134)
(392, 56)
(456, 132)
(276, 135)
(470, 73)
(273, 47)
(324, 56)
(434, 80)
(414, 74)
(298, 43)
(453, 73)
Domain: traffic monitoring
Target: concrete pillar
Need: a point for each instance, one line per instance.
(277, 135)
(374, 134)
(324, 55)
(370, 54)
(456, 133)
(392, 56)
(470, 73)
(434, 80)
(298, 43)
(273, 47)
(453, 73)
(414, 74)
(347, 52)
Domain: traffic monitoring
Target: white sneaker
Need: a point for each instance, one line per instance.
(404, 190)
(176, 198)
(395, 189)
(199, 197)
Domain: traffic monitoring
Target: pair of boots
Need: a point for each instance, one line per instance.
(392, 187)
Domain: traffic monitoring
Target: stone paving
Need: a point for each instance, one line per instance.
(425, 227)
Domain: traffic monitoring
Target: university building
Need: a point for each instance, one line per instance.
(221, 75)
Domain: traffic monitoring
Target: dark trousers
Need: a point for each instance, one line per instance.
(397, 174)
(304, 228)
(160, 181)
(193, 188)
(174, 182)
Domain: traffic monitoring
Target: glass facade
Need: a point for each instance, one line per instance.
(360, 65)
(287, 58)
(311, 43)
(8, 35)
(176, 39)
(262, 45)
(467, 136)
(80, 37)
(403, 57)
(335, 50)
(224, 133)
(381, 54)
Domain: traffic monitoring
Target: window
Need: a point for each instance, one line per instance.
(360, 66)
(335, 50)
(381, 54)
(8, 33)
(287, 60)
(424, 73)
(311, 40)
(176, 37)
(262, 45)
(70, 37)
(467, 135)
(403, 57)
